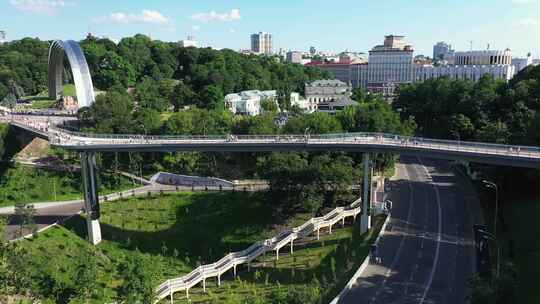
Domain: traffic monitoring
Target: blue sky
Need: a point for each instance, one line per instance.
(356, 25)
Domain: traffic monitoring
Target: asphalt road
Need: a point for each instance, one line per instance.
(427, 250)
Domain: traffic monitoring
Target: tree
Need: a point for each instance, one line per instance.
(182, 96)
(147, 121)
(4, 263)
(257, 125)
(111, 113)
(315, 123)
(85, 279)
(9, 101)
(269, 105)
(25, 213)
(149, 96)
(138, 280)
(211, 97)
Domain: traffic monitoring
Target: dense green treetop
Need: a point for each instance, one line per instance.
(209, 74)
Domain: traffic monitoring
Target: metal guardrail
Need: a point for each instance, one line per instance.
(71, 139)
(74, 139)
(231, 260)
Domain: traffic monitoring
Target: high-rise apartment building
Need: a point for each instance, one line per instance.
(261, 43)
(294, 57)
(2, 37)
(443, 51)
(390, 65)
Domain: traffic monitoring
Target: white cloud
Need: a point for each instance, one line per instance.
(195, 28)
(146, 16)
(40, 6)
(233, 15)
(528, 22)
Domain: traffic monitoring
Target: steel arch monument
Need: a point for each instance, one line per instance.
(79, 68)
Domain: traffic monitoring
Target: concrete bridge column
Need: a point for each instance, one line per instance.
(365, 218)
(204, 284)
(234, 270)
(91, 196)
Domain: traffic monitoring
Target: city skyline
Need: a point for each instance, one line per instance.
(502, 23)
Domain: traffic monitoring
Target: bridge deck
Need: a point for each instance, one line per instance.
(522, 156)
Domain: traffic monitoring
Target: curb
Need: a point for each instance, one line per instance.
(362, 267)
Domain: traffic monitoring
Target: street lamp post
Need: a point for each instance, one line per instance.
(492, 185)
(492, 237)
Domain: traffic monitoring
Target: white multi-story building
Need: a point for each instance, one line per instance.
(326, 91)
(522, 63)
(485, 57)
(302, 103)
(261, 43)
(2, 37)
(189, 42)
(294, 57)
(249, 102)
(470, 72)
(390, 65)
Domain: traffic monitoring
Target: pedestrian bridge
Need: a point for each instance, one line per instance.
(519, 156)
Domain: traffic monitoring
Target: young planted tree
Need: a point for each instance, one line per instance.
(138, 280)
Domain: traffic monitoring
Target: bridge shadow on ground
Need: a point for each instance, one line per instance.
(331, 262)
(211, 226)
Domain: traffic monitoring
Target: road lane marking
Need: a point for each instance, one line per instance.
(400, 248)
(437, 248)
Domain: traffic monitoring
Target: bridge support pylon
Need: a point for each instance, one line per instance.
(91, 196)
(365, 218)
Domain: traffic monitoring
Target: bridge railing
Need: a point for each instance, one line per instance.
(341, 138)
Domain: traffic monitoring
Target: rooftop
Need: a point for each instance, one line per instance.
(327, 83)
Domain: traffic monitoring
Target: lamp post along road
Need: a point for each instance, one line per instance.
(492, 237)
(493, 186)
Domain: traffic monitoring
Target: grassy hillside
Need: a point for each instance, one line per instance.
(26, 184)
(177, 232)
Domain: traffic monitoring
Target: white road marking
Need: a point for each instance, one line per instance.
(400, 248)
(437, 248)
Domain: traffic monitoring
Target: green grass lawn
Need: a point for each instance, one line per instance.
(180, 231)
(39, 104)
(42, 101)
(69, 90)
(27, 184)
